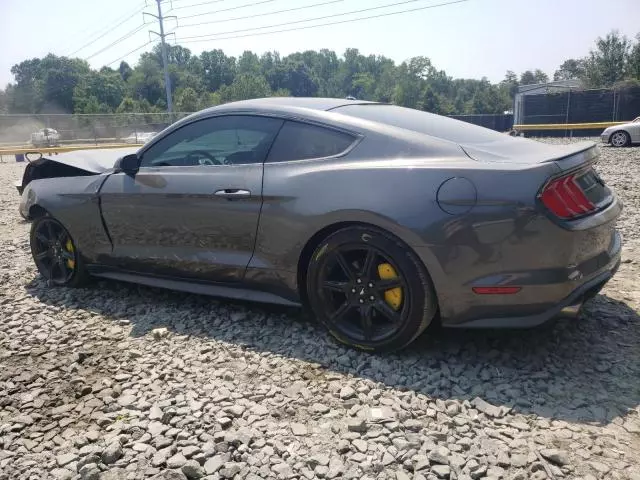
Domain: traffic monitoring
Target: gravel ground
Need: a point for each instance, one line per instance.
(123, 382)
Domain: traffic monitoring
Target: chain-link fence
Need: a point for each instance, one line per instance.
(69, 129)
(571, 105)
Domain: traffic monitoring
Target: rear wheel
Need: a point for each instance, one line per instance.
(369, 290)
(55, 254)
(620, 139)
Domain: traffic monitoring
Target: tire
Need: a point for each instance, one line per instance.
(48, 234)
(620, 139)
(362, 309)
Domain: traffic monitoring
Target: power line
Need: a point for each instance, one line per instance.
(296, 21)
(109, 30)
(128, 53)
(227, 9)
(272, 13)
(115, 42)
(197, 4)
(322, 24)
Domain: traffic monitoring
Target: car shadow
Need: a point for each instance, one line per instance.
(583, 370)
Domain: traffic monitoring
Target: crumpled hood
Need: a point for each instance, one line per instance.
(94, 161)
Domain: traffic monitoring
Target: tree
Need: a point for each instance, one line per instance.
(217, 68)
(527, 78)
(186, 100)
(125, 71)
(570, 69)
(245, 87)
(633, 65)
(607, 64)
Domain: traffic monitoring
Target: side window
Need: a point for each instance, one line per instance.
(224, 140)
(300, 141)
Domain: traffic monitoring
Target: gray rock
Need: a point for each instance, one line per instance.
(66, 459)
(486, 408)
(336, 468)
(283, 470)
(298, 429)
(112, 453)
(230, 469)
(556, 456)
(170, 475)
(193, 470)
(89, 471)
(347, 392)
(442, 471)
(155, 413)
(62, 474)
(600, 467)
(214, 464)
(318, 459)
(176, 461)
(127, 400)
(440, 455)
(360, 445)
(402, 475)
(357, 425)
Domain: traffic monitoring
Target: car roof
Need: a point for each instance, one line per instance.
(314, 103)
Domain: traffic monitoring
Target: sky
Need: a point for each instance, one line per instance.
(470, 39)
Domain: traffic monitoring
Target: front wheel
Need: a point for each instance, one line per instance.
(369, 290)
(620, 139)
(55, 254)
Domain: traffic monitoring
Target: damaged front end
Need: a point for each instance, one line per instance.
(71, 164)
(47, 168)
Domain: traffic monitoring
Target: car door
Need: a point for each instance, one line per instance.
(192, 209)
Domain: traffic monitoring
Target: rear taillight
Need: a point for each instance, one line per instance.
(565, 198)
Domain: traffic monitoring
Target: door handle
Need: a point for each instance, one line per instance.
(231, 193)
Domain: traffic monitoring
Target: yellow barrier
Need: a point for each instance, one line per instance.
(56, 150)
(566, 126)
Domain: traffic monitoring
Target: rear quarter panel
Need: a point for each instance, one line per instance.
(400, 195)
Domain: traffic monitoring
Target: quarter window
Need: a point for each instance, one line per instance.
(300, 141)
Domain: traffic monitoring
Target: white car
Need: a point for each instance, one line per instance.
(46, 137)
(622, 135)
(140, 137)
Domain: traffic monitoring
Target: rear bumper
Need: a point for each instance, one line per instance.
(569, 306)
(604, 137)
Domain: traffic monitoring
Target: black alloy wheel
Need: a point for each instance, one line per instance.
(370, 290)
(55, 254)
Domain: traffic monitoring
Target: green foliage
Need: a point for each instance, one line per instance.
(607, 63)
(186, 100)
(61, 84)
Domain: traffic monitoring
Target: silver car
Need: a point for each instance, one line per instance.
(622, 135)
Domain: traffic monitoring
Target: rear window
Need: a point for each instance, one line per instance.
(423, 122)
(301, 141)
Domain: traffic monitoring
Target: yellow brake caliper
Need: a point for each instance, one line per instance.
(393, 296)
(69, 246)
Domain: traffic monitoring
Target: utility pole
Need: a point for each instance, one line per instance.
(165, 62)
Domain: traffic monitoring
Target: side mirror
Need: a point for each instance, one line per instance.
(128, 164)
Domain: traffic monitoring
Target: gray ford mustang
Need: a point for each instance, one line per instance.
(380, 219)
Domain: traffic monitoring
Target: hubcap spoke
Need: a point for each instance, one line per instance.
(50, 232)
(382, 285)
(62, 267)
(368, 263)
(341, 287)
(388, 312)
(366, 321)
(346, 268)
(67, 255)
(43, 255)
(43, 239)
(340, 312)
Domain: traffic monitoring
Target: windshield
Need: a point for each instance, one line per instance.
(423, 122)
